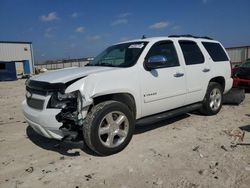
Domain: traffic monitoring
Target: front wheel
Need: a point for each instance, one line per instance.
(212, 102)
(108, 127)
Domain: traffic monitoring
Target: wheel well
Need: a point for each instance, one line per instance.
(219, 80)
(125, 98)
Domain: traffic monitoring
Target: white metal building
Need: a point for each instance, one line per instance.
(238, 54)
(19, 52)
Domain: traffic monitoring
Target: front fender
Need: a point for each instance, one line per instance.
(93, 86)
(80, 85)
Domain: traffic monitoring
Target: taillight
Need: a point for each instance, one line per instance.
(231, 69)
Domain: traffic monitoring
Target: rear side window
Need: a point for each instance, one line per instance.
(215, 51)
(192, 53)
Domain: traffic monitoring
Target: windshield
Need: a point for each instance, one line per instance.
(120, 55)
(246, 64)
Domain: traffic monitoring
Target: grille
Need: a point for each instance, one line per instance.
(36, 91)
(43, 88)
(35, 103)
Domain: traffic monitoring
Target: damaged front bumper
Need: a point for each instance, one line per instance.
(43, 121)
(53, 113)
(55, 123)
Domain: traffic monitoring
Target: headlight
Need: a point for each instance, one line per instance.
(60, 100)
(61, 96)
(59, 105)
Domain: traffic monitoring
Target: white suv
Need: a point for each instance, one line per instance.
(139, 80)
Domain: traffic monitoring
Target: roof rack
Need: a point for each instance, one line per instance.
(191, 36)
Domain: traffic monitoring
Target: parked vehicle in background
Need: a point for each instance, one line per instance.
(139, 80)
(241, 75)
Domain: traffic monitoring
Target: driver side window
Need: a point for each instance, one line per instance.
(167, 50)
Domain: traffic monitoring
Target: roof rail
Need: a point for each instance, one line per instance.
(191, 36)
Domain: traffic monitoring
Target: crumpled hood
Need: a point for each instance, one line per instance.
(68, 74)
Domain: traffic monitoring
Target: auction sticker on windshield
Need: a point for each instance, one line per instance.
(136, 45)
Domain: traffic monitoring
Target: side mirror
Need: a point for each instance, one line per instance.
(155, 62)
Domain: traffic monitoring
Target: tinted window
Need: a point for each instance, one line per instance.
(167, 50)
(246, 64)
(2, 66)
(191, 52)
(215, 51)
(120, 55)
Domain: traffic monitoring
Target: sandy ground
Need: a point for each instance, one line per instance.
(188, 151)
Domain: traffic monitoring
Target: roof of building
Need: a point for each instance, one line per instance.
(16, 42)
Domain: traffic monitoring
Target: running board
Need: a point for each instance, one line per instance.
(169, 114)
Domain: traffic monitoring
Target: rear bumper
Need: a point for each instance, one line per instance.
(43, 121)
(228, 85)
(241, 83)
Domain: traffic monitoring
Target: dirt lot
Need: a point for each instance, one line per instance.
(189, 151)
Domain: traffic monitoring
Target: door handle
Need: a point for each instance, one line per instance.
(206, 70)
(178, 74)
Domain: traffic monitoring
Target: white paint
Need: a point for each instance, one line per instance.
(16, 52)
(154, 91)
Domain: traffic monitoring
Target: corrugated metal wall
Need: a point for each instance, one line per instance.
(16, 52)
(248, 52)
(239, 54)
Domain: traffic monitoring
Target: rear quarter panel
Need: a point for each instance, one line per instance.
(221, 68)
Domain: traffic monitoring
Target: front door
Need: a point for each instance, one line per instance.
(163, 88)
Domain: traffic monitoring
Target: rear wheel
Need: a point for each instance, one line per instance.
(108, 127)
(212, 102)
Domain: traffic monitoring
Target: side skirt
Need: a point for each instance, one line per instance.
(169, 114)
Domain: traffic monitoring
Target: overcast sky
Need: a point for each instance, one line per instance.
(81, 28)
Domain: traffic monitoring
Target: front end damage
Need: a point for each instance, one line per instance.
(73, 111)
(72, 106)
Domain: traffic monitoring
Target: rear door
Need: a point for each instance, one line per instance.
(197, 70)
(220, 64)
(163, 88)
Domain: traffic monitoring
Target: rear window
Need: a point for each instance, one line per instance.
(215, 51)
(192, 53)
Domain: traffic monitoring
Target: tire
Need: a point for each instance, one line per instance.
(108, 127)
(212, 102)
(235, 96)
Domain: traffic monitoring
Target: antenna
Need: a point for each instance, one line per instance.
(143, 37)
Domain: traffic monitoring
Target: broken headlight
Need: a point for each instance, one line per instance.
(63, 100)
(64, 96)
